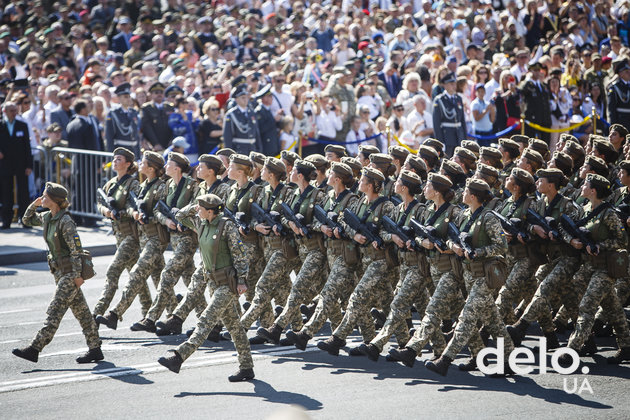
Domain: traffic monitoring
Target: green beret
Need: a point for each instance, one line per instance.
(126, 153)
(226, 151)
(439, 179)
(553, 174)
(353, 163)
(342, 169)
(305, 165)
(241, 160)
(566, 137)
(451, 168)
(180, 160)
(373, 174)
(210, 201)
(488, 171)
(417, 163)
(598, 181)
(478, 186)
(427, 152)
(257, 157)
(539, 146)
(319, 161)
(562, 161)
(508, 144)
(597, 165)
(398, 152)
(213, 162)
(381, 159)
(605, 147)
(465, 154)
(368, 149)
(56, 191)
(492, 153)
(520, 138)
(275, 165)
(436, 144)
(623, 131)
(155, 159)
(523, 176)
(574, 149)
(472, 146)
(289, 156)
(411, 177)
(534, 156)
(336, 148)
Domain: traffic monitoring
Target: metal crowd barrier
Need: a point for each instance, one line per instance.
(81, 172)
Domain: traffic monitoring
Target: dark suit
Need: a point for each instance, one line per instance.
(536, 107)
(268, 131)
(17, 157)
(394, 86)
(619, 103)
(119, 43)
(154, 124)
(62, 118)
(81, 134)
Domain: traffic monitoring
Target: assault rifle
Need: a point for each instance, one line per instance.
(330, 219)
(427, 232)
(512, 227)
(298, 219)
(580, 233)
(548, 224)
(168, 212)
(138, 205)
(238, 219)
(405, 233)
(462, 239)
(108, 202)
(270, 219)
(369, 230)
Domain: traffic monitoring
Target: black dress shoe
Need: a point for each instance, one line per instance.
(242, 375)
(92, 355)
(173, 363)
(29, 353)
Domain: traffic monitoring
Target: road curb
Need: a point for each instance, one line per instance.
(40, 256)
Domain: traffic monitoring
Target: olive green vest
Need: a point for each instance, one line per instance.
(56, 244)
(212, 241)
(185, 196)
(306, 208)
(120, 196)
(150, 200)
(245, 201)
(479, 235)
(599, 230)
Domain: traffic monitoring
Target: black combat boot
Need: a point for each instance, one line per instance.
(173, 325)
(278, 310)
(469, 366)
(173, 363)
(272, 334)
(286, 341)
(406, 356)
(255, 340)
(379, 318)
(332, 345)
(485, 335)
(440, 366)
(92, 355)
(145, 325)
(559, 326)
(552, 340)
(589, 348)
(621, 355)
(215, 334)
(308, 310)
(110, 320)
(190, 332)
(300, 339)
(246, 306)
(242, 375)
(29, 353)
(517, 331)
(356, 351)
(600, 329)
(370, 350)
(447, 326)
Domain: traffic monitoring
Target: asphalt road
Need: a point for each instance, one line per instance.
(130, 383)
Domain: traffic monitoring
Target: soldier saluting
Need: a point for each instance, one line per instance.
(240, 128)
(121, 125)
(448, 115)
(619, 95)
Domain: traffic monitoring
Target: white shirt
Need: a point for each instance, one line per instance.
(491, 87)
(328, 123)
(373, 102)
(417, 122)
(284, 99)
(353, 149)
(518, 72)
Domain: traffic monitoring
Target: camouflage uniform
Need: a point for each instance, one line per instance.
(127, 242)
(609, 234)
(151, 259)
(60, 229)
(488, 241)
(223, 305)
(341, 278)
(184, 245)
(342, 94)
(377, 275)
(276, 272)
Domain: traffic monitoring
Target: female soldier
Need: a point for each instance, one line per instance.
(342, 255)
(446, 272)
(278, 249)
(64, 260)
(310, 278)
(209, 171)
(180, 192)
(153, 237)
(414, 270)
(322, 165)
(376, 283)
(608, 236)
(225, 263)
(125, 229)
(488, 242)
(385, 164)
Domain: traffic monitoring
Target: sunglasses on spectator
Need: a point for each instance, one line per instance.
(216, 87)
(398, 108)
(205, 92)
(214, 109)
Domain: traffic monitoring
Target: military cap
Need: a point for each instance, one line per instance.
(523, 176)
(492, 153)
(336, 148)
(597, 165)
(318, 160)
(466, 154)
(435, 143)
(238, 80)
(472, 146)
(539, 146)
(602, 145)
(448, 78)
(53, 127)
(566, 137)
(226, 151)
(398, 152)
(623, 131)
(381, 159)
(157, 86)
(239, 90)
(487, 170)
(534, 156)
(305, 165)
(180, 159)
(173, 88)
(411, 177)
(56, 191)
(477, 186)
(155, 159)
(620, 65)
(553, 174)
(341, 70)
(289, 156)
(562, 161)
(123, 89)
(597, 180)
(520, 138)
(417, 163)
(126, 153)
(353, 163)
(574, 149)
(343, 169)
(451, 168)
(257, 157)
(275, 165)
(427, 152)
(439, 179)
(373, 174)
(509, 144)
(242, 160)
(210, 201)
(265, 91)
(213, 162)
(625, 165)
(368, 149)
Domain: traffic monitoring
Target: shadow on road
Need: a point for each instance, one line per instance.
(267, 393)
(119, 373)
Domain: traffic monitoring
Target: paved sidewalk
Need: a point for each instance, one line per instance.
(21, 246)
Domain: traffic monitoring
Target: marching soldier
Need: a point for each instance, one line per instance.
(449, 122)
(619, 95)
(240, 128)
(154, 117)
(121, 125)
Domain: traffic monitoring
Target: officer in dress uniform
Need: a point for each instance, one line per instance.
(448, 115)
(121, 125)
(267, 123)
(535, 101)
(619, 95)
(154, 118)
(240, 128)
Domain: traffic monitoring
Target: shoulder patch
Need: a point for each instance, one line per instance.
(77, 241)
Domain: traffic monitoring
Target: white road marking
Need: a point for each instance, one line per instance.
(15, 311)
(105, 347)
(9, 341)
